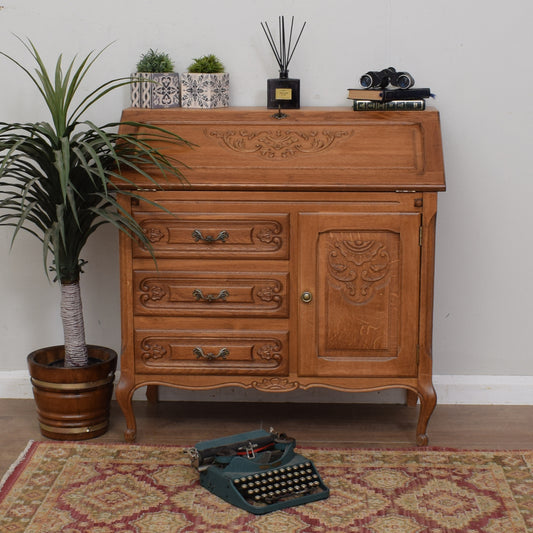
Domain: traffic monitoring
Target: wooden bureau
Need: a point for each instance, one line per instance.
(300, 255)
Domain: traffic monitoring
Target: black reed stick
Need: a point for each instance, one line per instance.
(270, 39)
(284, 53)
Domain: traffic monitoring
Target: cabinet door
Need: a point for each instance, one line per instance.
(361, 275)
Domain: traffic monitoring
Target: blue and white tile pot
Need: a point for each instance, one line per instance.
(202, 90)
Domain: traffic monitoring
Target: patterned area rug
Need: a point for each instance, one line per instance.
(103, 488)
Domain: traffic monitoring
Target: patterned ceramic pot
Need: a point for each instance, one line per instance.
(155, 90)
(200, 90)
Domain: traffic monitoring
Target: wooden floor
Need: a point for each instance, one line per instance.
(322, 425)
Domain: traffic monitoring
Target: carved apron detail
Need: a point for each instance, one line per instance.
(275, 384)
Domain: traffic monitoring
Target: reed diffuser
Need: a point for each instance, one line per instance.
(283, 92)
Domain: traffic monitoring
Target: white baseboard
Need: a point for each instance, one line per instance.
(484, 390)
(15, 384)
(473, 390)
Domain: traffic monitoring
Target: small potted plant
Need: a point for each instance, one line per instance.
(59, 181)
(155, 84)
(205, 84)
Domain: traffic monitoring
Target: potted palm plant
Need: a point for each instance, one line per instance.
(59, 181)
(155, 85)
(205, 85)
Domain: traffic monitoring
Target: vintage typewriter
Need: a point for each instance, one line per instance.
(258, 471)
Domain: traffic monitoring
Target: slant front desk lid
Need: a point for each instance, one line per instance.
(313, 148)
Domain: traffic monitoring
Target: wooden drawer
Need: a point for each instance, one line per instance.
(224, 235)
(211, 352)
(183, 293)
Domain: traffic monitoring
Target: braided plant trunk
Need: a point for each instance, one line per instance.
(74, 331)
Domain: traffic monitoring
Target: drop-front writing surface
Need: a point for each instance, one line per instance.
(310, 149)
(280, 266)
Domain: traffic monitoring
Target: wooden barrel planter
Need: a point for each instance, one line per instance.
(72, 403)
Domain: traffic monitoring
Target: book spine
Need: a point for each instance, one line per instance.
(394, 105)
(405, 94)
(387, 95)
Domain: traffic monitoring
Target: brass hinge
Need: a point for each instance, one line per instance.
(420, 235)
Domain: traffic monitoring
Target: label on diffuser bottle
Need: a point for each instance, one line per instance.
(284, 93)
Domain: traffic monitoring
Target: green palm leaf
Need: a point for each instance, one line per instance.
(59, 179)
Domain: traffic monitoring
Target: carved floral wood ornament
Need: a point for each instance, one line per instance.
(357, 266)
(278, 143)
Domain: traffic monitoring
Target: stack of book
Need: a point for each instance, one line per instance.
(389, 99)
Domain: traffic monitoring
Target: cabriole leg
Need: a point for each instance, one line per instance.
(124, 394)
(428, 400)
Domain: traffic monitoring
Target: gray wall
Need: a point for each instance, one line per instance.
(473, 54)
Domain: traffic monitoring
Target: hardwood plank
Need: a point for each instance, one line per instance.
(322, 425)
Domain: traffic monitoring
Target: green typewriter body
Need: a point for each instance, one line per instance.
(258, 471)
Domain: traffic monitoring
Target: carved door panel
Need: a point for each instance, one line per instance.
(359, 294)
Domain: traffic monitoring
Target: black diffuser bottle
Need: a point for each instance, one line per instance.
(283, 92)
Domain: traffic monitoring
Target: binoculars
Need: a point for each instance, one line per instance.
(382, 78)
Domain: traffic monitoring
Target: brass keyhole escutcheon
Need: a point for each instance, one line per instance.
(306, 297)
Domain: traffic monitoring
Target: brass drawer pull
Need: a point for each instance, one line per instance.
(200, 354)
(222, 295)
(222, 236)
